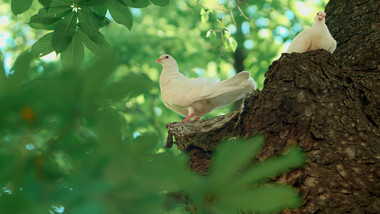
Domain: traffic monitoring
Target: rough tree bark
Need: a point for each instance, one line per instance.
(329, 104)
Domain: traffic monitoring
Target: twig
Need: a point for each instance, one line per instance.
(233, 18)
(242, 14)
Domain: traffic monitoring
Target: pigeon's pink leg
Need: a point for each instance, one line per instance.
(196, 118)
(188, 117)
(190, 114)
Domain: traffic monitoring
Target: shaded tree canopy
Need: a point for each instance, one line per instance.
(326, 103)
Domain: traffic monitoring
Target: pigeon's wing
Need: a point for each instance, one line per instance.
(302, 42)
(183, 92)
(232, 89)
(180, 110)
(332, 46)
(228, 97)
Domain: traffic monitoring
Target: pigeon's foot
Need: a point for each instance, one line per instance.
(188, 117)
(196, 118)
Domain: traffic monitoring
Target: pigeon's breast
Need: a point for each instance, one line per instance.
(322, 40)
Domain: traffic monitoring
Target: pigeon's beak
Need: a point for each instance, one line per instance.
(159, 60)
(320, 17)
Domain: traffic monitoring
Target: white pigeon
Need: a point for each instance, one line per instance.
(197, 97)
(316, 37)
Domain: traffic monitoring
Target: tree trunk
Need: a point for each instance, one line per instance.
(329, 104)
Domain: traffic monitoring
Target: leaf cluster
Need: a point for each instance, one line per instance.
(233, 185)
(76, 23)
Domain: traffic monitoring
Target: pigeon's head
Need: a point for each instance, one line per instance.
(165, 59)
(320, 16)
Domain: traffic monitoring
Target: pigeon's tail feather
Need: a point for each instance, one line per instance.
(240, 79)
(233, 89)
(228, 97)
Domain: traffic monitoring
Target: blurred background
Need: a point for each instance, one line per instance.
(191, 31)
(52, 122)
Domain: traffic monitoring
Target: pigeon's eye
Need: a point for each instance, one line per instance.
(166, 57)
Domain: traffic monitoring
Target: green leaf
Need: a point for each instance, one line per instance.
(89, 207)
(7, 165)
(143, 144)
(122, 2)
(96, 16)
(10, 203)
(97, 48)
(109, 127)
(45, 3)
(48, 18)
(90, 22)
(97, 74)
(175, 178)
(21, 66)
(226, 43)
(212, 34)
(100, 10)
(227, 34)
(59, 11)
(101, 21)
(266, 199)
(72, 57)
(233, 43)
(64, 32)
(37, 25)
(20, 6)
(204, 16)
(161, 3)
(43, 46)
(60, 3)
(92, 3)
(2, 71)
(133, 85)
(43, 21)
(293, 158)
(137, 4)
(231, 157)
(44, 18)
(86, 22)
(121, 13)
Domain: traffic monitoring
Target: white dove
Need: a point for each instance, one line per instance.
(197, 97)
(316, 37)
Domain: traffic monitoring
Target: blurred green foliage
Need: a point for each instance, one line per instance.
(88, 139)
(62, 150)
